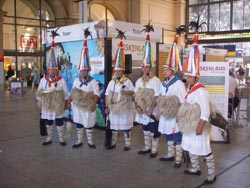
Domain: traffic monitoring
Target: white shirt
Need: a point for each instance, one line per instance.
(112, 87)
(178, 89)
(153, 83)
(201, 97)
(125, 120)
(81, 115)
(59, 85)
(232, 85)
(91, 86)
(169, 126)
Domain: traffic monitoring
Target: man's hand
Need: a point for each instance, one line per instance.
(107, 111)
(199, 129)
(93, 107)
(149, 112)
(139, 110)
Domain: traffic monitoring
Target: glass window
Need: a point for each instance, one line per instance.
(8, 6)
(221, 16)
(201, 12)
(193, 13)
(97, 12)
(238, 14)
(196, 2)
(25, 21)
(214, 17)
(46, 11)
(202, 1)
(27, 38)
(225, 16)
(193, 2)
(9, 37)
(247, 14)
(28, 13)
(48, 24)
(8, 20)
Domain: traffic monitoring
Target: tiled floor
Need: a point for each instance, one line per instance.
(25, 163)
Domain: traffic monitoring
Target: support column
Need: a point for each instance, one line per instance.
(2, 77)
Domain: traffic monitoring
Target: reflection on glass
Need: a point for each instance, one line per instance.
(28, 13)
(9, 37)
(8, 6)
(202, 1)
(214, 17)
(27, 39)
(193, 13)
(193, 2)
(8, 20)
(97, 12)
(225, 16)
(247, 14)
(201, 12)
(25, 21)
(238, 14)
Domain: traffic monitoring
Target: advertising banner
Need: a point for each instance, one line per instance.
(98, 30)
(133, 31)
(214, 76)
(68, 57)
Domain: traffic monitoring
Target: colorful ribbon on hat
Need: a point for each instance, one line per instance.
(52, 58)
(120, 57)
(84, 60)
(173, 60)
(192, 65)
(147, 59)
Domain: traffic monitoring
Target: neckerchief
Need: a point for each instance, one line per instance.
(166, 83)
(194, 88)
(86, 81)
(50, 81)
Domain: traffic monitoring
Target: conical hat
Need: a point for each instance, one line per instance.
(52, 62)
(147, 56)
(173, 61)
(119, 63)
(84, 63)
(192, 65)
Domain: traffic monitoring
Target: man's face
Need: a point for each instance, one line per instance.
(191, 80)
(146, 70)
(118, 73)
(84, 73)
(167, 72)
(52, 73)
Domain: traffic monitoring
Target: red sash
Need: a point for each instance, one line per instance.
(52, 81)
(198, 86)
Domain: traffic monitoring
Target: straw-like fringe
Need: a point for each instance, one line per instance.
(82, 99)
(144, 98)
(119, 103)
(189, 118)
(168, 106)
(53, 101)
